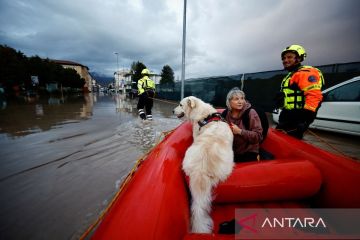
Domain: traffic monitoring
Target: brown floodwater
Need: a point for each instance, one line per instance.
(63, 159)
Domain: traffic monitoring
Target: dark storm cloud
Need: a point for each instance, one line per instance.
(222, 38)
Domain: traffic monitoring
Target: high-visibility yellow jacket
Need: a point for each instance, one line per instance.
(302, 88)
(145, 84)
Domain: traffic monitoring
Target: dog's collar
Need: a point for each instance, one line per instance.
(212, 117)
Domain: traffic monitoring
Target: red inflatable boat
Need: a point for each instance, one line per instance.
(155, 202)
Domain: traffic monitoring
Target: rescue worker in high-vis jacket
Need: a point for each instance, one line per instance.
(146, 92)
(300, 93)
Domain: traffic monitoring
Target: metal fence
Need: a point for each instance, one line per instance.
(260, 87)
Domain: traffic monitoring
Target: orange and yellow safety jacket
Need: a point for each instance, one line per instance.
(302, 88)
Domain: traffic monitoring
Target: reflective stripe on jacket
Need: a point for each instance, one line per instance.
(302, 88)
(144, 84)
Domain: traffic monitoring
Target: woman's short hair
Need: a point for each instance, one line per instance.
(233, 92)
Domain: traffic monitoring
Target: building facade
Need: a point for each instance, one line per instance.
(122, 79)
(82, 70)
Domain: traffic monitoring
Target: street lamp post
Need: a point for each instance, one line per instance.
(117, 60)
(117, 71)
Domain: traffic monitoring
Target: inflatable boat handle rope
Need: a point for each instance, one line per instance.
(318, 137)
(327, 143)
(123, 185)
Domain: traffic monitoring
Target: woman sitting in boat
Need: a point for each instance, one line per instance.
(246, 139)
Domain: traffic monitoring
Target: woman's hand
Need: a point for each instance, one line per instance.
(235, 129)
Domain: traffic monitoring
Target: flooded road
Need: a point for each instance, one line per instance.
(62, 160)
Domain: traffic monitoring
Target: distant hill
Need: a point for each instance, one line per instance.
(102, 79)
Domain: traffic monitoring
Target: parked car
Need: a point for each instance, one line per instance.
(340, 109)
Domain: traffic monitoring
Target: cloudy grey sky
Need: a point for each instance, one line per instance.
(224, 37)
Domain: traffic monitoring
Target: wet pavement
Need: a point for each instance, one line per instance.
(62, 160)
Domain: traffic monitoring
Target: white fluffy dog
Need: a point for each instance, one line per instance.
(208, 161)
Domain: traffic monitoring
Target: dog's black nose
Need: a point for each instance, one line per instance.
(173, 111)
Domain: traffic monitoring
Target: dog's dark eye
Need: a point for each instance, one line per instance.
(180, 105)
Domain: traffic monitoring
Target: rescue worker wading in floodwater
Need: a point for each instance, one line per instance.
(300, 93)
(146, 91)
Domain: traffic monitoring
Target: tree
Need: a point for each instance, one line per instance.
(167, 75)
(13, 72)
(136, 68)
(16, 70)
(70, 78)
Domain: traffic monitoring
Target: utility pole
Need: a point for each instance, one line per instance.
(183, 53)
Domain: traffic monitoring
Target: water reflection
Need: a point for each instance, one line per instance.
(20, 119)
(122, 104)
